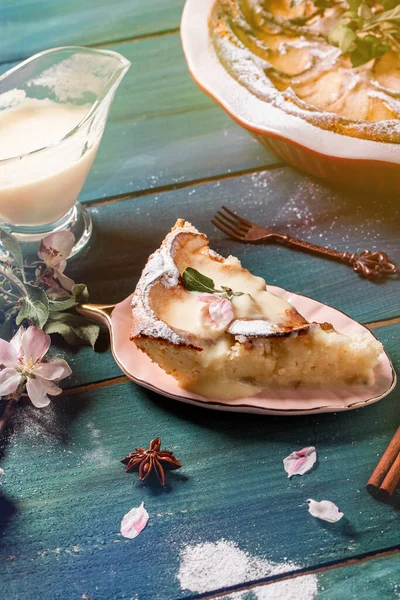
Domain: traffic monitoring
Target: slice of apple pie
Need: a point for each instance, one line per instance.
(218, 330)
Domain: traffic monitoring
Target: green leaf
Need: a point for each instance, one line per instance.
(388, 4)
(354, 5)
(35, 306)
(74, 329)
(81, 293)
(392, 16)
(365, 12)
(343, 36)
(11, 245)
(367, 48)
(196, 282)
(323, 3)
(62, 304)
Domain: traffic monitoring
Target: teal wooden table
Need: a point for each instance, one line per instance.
(229, 524)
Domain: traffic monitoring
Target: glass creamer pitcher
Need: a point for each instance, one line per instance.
(53, 109)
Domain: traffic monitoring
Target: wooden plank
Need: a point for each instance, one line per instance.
(29, 26)
(65, 492)
(377, 578)
(163, 130)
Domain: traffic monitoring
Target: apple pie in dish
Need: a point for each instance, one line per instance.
(282, 55)
(217, 329)
(270, 64)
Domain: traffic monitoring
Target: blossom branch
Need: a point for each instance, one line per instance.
(7, 414)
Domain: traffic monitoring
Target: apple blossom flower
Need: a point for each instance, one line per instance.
(22, 365)
(54, 251)
(217, 312)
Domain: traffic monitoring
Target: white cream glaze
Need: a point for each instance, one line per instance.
(164, 309)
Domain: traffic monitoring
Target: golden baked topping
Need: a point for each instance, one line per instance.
(289, 56)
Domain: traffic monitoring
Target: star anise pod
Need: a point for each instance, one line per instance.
(152, 460)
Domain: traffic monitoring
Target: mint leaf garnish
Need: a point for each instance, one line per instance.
(194, 281)
(342, 35)
(366, 49)
(365, 31)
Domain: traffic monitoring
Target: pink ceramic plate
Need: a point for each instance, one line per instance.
(138, 367)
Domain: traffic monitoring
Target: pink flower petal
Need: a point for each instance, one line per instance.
(55, 370)
(35, 343)
(16, 341)
(324, 510)
(37, 392)
(66, 282)
(207, 298)
(9, 381)
(205, 319)
(8, 354)
(50, 387)
(60, 265)
(134, 522)
(53, 284)
(55, 248)
(221, 314)
(300, 462)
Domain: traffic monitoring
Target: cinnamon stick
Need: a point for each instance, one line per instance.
(387, 474)
(391, 480)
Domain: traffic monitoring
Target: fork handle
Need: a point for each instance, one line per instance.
(367, 263)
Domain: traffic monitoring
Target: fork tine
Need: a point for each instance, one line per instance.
(236, 224)
(228, 227)
(225, 230)
(244, 221)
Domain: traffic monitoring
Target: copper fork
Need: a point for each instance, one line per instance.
(366, 263)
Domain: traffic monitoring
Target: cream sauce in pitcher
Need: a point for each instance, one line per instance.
(40, 188)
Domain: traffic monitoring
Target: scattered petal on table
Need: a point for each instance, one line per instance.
(324, 510)
(300, 462)
(134, 522)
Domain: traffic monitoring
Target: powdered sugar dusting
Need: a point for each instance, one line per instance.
(159, 268)
(300, 588)
(97, 455)
(311, 211)
(210, 566)
(35, 425)
(252, 328)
